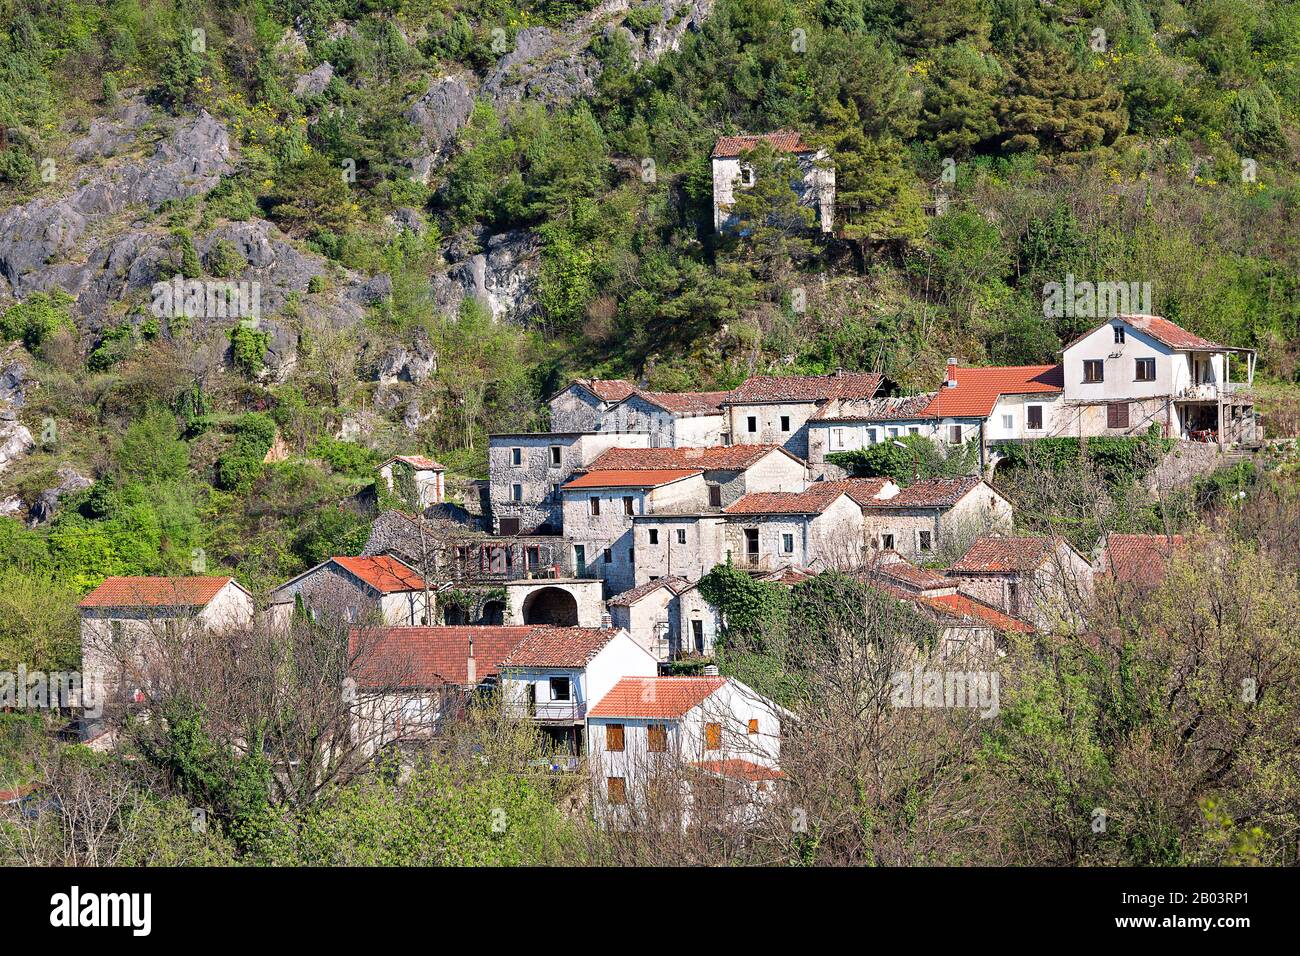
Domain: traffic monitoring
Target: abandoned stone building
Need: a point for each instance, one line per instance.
(815, 184)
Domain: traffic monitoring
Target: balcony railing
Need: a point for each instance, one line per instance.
(549, 711)
(1211, 391)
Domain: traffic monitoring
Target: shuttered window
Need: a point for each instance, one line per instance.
(614, 737)
(616, 790)
(713, 736)
(656, 738)
(1117, 415)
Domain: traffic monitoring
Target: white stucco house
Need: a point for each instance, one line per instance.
(715, 741)
(554, 674)
(649, 613)
(381, 589)
(775, 409)
(427, 477)
(815, 185)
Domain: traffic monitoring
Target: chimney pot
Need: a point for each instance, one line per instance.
(711, 670)
(606, 621)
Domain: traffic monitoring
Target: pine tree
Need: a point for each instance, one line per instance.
(772, 227)
(1051, 105)
(959, 110)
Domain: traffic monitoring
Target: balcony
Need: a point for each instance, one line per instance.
(1212, 391)
(549, 711)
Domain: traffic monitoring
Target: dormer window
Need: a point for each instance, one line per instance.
(1119, 335)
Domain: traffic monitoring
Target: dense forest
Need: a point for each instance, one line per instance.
(358, 157)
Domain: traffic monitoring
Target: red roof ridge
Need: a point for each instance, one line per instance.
(157, 591)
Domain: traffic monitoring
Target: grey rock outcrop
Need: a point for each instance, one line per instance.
(47, 502)
(15, 442)
(440, 113)
(314, 83)
(414, 364)
(503, 278)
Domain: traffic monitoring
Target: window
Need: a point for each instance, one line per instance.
(1008, 423)
(681, 535)
(913, 430)
(609, 556)
(1117, 415)
(516, 492)
(746, 175)
(1013, 598)
(627, 505)
(954, 434)
(616, 790)
(715, 497)
(555, 491)
(555, 456)
(787, 544)
(614, 737)
(656, 738)
(697, 633)
(509, 526)
(893, 433)
(871, 436)
(516, 456)
(887, 542)
(751, 423)
(1146, 370)
(654, 535)
(713, 736)
(1034, 417)
(1093, 371)
(631, 555)
(925, 540)
(785, 423)
(751, 543)
(559, 688)
(753, 725)
(837, 437)
(594, 503)
(1119, 335)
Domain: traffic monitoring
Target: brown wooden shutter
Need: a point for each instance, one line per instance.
(616, 790)
(614, 737)
(713, 736)
(1117, 415)
(753, 725)
(656, 738)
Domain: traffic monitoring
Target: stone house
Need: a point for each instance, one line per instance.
(730, 471)
(699, 733)
(122, 619)
(998, 403)
(775, 409)
(843, 425)
(1135, 371)
(580, 406)
(426, 475)
(599, 508)
(379, 589)
(935, 515)
(815, 186)
(649, 613)
(1042, 580)
(554, 674)
(1133, 563)
(527, 471)
(671, 419)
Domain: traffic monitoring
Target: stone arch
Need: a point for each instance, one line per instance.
(551, 605)
(494, 612)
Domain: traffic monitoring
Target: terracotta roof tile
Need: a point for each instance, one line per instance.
(630, 478)
(994, 553)
(977, 389)
(783, 141)
(1140, 559)
(383, 572)
(668, 697)
(819, 496)
(969, 608)
(929, 493)
(546, 646)
(429, 656)
(1160, 329)
(737, 769)
(715, 457)
(890, 564)
(607, 389)
(805, 388)
(687, 403)
(882, 409)
(632, 595)
(193, 592)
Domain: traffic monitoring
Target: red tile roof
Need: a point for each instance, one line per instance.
(607, 389)
(715, 457)
(967, 607)
(1160, 329)
(805, 388)
(894, 566)
(429, 656)
(819, 496)
(882, 409)
(783, 141)
(687, 403)
(190, 592)
(977, 389)
(419, 462)
(547, 646)
(1140, 559)
(383, 572)
(737, 769)
(670, 697)
(929, 493)
(788, 575)
(993, 553)
(631, 478)
(632, 595)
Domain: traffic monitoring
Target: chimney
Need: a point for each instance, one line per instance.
(950, 379)
(711, 670)
(606, 621)
(471, 666)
